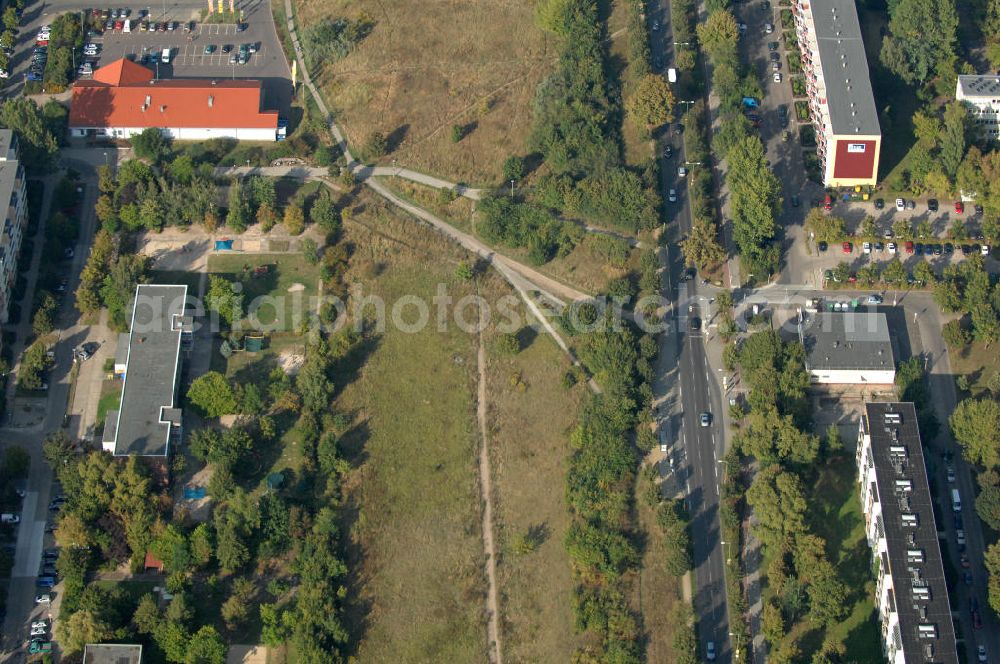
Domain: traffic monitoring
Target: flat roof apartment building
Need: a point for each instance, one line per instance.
(841, 102)
(148, 419)
(14, 193)
(911, 589)
(981, 95)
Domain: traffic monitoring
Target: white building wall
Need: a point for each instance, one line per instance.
(853, 376)
(185, 133)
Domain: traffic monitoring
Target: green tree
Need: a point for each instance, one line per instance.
(894, 272)
(772, 624)
(151, 144)
(457, 133)
(507, 344)
(779, 504)
(10, 19)
(988, 500)
(718, 35)
(975, 424)
(225, 298)
(464, 271)
(955, 335)
(212, 394)
(992, 560)
(36, 143)
(825, 226)
(651, 104)
(238, 216)
(922, 33)
(376, 146)
(673, 521)
(295, 219)
(325, 214)
(81, 628)
(513, 168)
(701, 247)
(202, 545)
(206, 647)
(171, 547)
(953, 140)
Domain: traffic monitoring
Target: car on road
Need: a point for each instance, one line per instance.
(847, 247)
(705, 419)
(874, 299)
(963, 560)
(710, 651)
(932, 205)
(977, 620)
(951, 474)
(668, 152)
(981, 654)
(694, 323)
(681, 171)
(656, 26)
(967, 578)
(742, 28)
(822, 246)
(209, 49)
(960, 539)
(959, 207)
(795, 200)
(672, 196)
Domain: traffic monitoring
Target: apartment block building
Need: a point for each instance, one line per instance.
(14, 193)
(149, 419)
(911, 589)
(841, 102)
(981, 95)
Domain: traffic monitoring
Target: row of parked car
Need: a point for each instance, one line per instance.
(911, 247)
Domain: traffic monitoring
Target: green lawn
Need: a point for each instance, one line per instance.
(278, 299)
(111, 399)
(836, 517)
(189, 279)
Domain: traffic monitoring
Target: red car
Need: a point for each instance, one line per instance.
(909, 247)
(959, 207)
(118, 25)
(853, 279)
(828, 203)
(964, 560)
(977, 621)
(846, 247)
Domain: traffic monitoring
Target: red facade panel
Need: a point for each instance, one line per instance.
(854, 159)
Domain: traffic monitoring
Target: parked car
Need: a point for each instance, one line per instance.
(777, 76)
(822, 246)
(866, 247)
(911, 205)
(984, 249)
(932, 205)
(227, 48)
(847, 247)
(879, 203)
(959, 207)
(909, 246)
(900, 205)
(44, 598)
(772, 46)
(891, 247)
(45, 582)
(874, 299)
(795, 200)
(672, 196)
(209, 49)
(768, 28)
(710, 651)
(681, 171)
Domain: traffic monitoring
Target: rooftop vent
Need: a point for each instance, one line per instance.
(211, 101)
(163, 107)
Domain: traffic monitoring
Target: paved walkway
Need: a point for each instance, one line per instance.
(361, 172)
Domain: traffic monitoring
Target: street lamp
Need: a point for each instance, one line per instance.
(105, 157)
(512, 188)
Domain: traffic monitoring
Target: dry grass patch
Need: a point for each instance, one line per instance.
(430, 65)
(530, 416)
(416, 549)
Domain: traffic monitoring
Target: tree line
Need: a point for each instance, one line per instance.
(773, 430)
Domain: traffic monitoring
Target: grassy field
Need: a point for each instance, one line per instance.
(412, 508)
(530, 415)
(111, 399)
(977, 362)
(278, 291)
(428, 66)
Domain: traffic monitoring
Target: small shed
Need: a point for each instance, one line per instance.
(253, 343)
(152, 563)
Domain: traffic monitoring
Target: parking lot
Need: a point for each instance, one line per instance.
(188, 58)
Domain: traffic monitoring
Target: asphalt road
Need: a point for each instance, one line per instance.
(685, 389)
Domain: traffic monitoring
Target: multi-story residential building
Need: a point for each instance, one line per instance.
(149, 419)
(911, 589)
(848, 137)
(14, 194)
(982, 95)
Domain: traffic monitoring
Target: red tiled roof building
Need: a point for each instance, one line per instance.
(123, 98)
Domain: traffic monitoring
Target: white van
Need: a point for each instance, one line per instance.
(165, 56)
(672, 75)
(956, 501)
